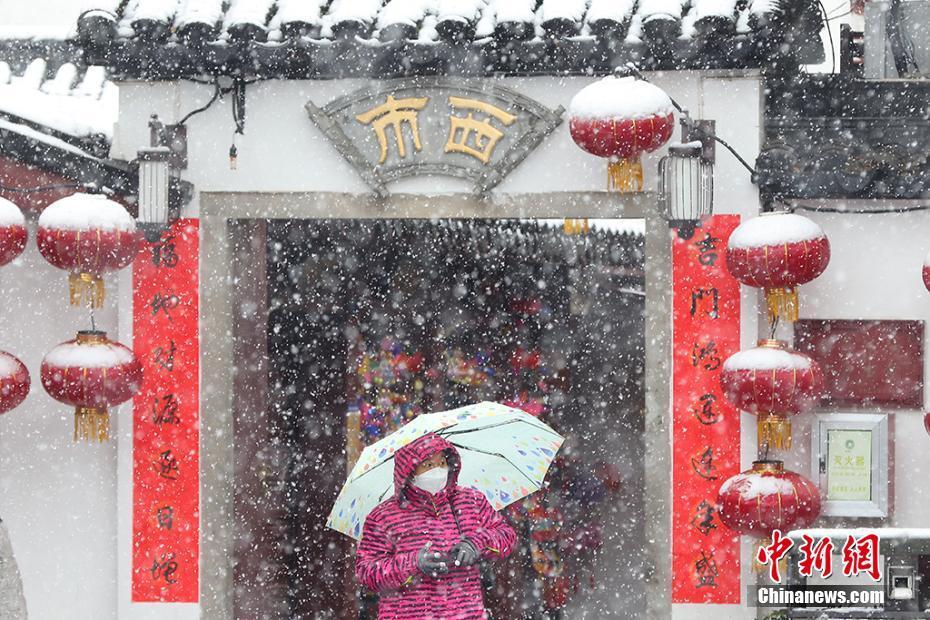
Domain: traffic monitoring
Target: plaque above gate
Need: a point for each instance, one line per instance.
(472, 130)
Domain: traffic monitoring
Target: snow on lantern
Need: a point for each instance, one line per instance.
(12, 231)
(88, 235)
(91, 373)
(620, 118)
(927, 272)
(778, 252)
(766, 498)
(773, 382)
(14, 382)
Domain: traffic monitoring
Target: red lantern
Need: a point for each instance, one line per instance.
(87, 235)
(12, 231)
(14, 382)
(767, 498)
(620, 119)
(777, 252)
(91, 373)
(927, 272)
(772, 382)
(927, 422)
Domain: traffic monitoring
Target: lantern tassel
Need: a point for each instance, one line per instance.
(625, 175)
(758, 568)
(91, 424)
(86, 290)
(774, 431)
(782, 303)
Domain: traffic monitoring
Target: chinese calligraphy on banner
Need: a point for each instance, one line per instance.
(705, 428)
(166, 412)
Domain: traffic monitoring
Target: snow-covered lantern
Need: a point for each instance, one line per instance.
(686, 187)
(12, 231)
(766, 498)
(154, 205)
(87, 235)
(620, 118)
(926, 272)
(14, 382)
(91, 373)
(777, 252)
(774, 383)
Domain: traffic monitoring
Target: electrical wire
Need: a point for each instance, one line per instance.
(746, 165)
(44, 188)
(826, 24)
(216, 95)
(887, 211)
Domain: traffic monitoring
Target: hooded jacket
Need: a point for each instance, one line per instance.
(396, 530)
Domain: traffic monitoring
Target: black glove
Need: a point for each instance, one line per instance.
(432, 563)
(464, 553)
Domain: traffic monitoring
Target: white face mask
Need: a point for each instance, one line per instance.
(432, 481)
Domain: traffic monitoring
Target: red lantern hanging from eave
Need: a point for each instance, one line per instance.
(91, 373)
(13, 233)
(87, 235)
(766, 498)
(14, 382)
(778, 252)
(620, 118)
(773, 382)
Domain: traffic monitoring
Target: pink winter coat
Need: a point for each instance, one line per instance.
(397, 529)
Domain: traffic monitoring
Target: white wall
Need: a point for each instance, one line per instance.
(875, 273)
(57, 498)
(283, 151)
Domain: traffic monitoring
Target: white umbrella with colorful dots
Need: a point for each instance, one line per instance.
(505, 454)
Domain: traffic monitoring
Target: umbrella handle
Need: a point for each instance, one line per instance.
(455, 517)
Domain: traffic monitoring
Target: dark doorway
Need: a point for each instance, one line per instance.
(370, 323)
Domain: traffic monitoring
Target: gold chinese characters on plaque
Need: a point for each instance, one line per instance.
(434, 126)
(472, 136)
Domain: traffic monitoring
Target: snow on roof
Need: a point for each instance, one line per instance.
(369, 18)
(70, 101)
(38, 136)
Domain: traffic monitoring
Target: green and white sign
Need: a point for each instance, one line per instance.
(849, 465)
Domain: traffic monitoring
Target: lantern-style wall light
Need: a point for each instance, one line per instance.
(159, 204)
(686, 178)
(154, 204)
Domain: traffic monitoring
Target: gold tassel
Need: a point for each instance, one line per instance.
(758, 567)
(86, 290)
(782, 303)
(774, 431)
(576, 226)
(625, 175)
(91, 424)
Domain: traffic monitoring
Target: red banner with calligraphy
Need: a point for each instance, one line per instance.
(166, 419)
(705, 428)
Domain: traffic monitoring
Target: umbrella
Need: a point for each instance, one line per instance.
(505, 454)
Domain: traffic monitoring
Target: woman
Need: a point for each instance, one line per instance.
(420, 548)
